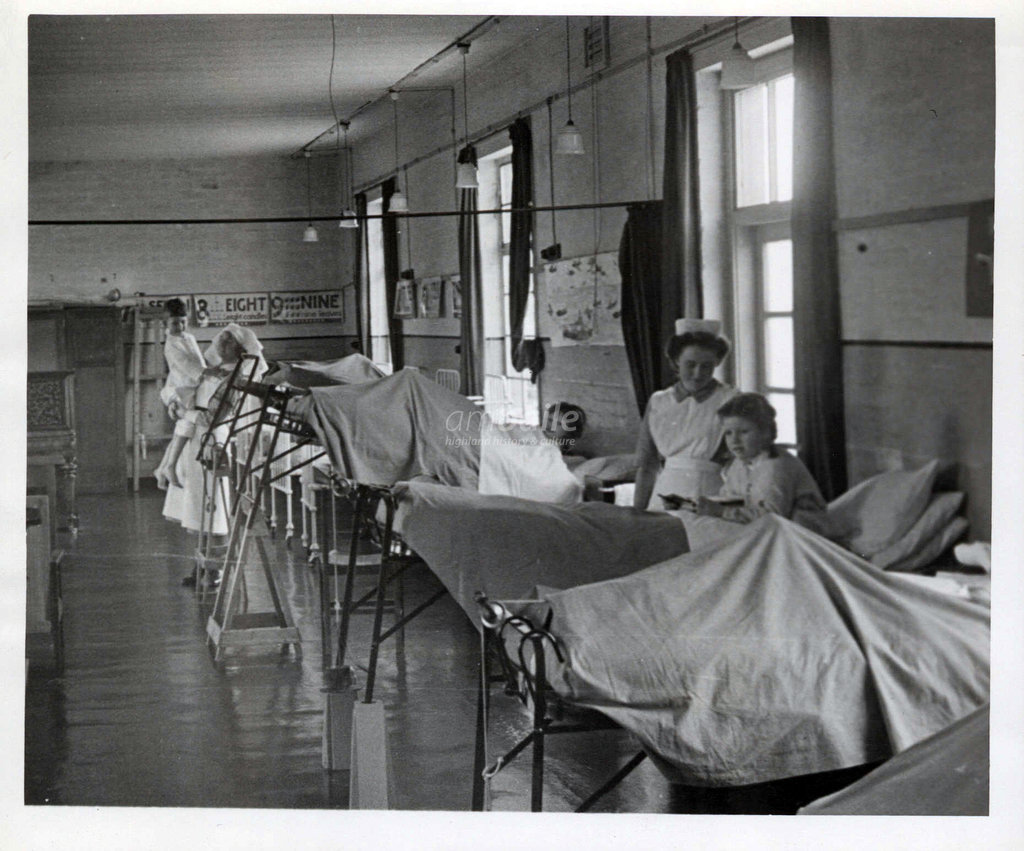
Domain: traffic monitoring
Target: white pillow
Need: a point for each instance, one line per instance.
(520, 461)
(932, 520)
(879, 511)
(934, 548)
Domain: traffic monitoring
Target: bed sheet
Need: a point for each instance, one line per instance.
(404, 425)
(944, 775)
(774, 654)
(505, 546)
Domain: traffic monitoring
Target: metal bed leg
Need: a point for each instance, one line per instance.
(350, 576)
(612, 782)
(478, 800)
(539, 712)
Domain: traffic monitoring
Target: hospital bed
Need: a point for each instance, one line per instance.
(775, 655)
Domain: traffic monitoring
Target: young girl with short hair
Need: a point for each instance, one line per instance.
(761, 478)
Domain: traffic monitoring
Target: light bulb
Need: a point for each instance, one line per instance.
(570, 140)
(465, 176)
(399, 203)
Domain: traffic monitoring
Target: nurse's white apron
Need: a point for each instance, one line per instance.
(684, 476)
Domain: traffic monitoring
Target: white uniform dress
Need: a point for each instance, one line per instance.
(684, 431)
(185, 365)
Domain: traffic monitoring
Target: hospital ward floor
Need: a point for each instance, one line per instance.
(141, 716)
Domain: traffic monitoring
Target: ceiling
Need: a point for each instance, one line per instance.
(183, 86)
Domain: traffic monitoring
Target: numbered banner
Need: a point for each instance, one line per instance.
(217, 309)
(307, 306)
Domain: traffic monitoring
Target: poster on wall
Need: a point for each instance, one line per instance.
(580, 301)
(453, 296)
(215, 309)
(405, 300)
(307, 306)
(430, 298)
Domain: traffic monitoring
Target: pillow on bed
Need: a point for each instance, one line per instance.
(934, 518)
(933, 548)
(609, 468)
(520, 461)
(879, 511)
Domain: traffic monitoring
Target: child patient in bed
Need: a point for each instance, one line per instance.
(760, 478)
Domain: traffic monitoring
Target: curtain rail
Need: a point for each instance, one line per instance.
(698, 38)
(293, 219)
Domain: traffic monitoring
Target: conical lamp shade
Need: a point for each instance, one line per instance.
(465, 176)
(349, 218)
(399, 203)
(570, 140)
(739, 71)
(310, 234)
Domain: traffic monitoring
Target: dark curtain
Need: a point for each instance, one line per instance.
(642, 297)
(817, 335)
(389, 228)
(521, 238)
(680, 252)
(471, 347)
(362, 279)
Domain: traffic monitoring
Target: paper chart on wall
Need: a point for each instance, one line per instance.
(580, 301)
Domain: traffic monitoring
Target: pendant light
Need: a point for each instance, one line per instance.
(739, 71)
(348, 215)
(465, 174)
(309, 234)
(570, 140)
(399, 203)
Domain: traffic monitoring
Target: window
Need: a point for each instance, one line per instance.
(380, 346)
(521, 401)
(761, 166)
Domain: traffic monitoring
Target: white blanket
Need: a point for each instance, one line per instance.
(776, 653)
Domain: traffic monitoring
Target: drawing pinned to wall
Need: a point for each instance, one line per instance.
(580, 301)
(405, 300)
(453, 296)
(430, 298)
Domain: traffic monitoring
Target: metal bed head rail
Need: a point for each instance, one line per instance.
(521, 650)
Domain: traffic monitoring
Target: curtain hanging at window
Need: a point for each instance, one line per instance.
(389, 229)
(362, 299)
(471, 348)
(680, 261)
(642, 296)
(821, 433)
(526, 353)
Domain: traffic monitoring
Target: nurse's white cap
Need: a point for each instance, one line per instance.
(697, 326)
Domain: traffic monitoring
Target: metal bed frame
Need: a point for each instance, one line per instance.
(524, 676)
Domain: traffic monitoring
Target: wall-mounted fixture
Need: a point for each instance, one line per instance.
(309, 234)
(348, 215)
(570, 140)
(739, 71)
(399, 203)
(465, 174)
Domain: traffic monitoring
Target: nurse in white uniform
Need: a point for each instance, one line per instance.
(681, 436)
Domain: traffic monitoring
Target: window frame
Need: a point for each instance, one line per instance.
(750, 227)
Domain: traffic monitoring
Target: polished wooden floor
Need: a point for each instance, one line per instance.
(143, 717)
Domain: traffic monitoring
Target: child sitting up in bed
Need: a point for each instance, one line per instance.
(760, 478)
(181, 394)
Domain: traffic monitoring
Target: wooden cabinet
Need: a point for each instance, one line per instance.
(85, 342)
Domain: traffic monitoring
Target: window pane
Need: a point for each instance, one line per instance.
(778, 355)
(777, 257)
(752, 146)
(505, 177)
(506, 228)
(783, 91)
(785, 416)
